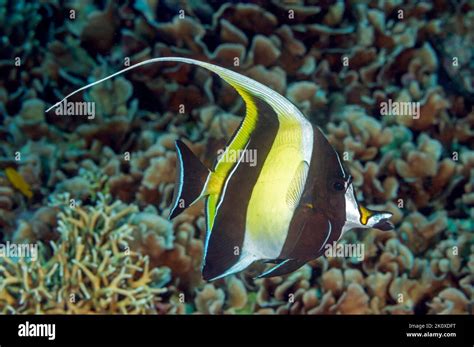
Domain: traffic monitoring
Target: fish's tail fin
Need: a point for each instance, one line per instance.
(191, 177)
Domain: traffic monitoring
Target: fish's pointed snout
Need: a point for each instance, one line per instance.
(384, 224)
(381, 221)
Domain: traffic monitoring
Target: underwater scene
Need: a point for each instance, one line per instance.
(264, 157)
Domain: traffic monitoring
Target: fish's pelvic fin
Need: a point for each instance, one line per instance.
(285, 267)
(191, 178)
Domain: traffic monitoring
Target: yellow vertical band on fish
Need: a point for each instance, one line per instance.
(223, 167)
(211, 210)
(268, 204)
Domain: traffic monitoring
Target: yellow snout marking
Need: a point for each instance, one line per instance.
(365, 214)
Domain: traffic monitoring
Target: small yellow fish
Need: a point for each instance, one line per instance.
(18, 182)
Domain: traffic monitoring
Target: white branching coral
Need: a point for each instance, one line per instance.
(90, 269)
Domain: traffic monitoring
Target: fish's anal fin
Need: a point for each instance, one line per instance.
(191, 178)
(285, 267)
(297, 184)
(212, 272)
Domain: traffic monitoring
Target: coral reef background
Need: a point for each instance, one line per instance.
(94, 194)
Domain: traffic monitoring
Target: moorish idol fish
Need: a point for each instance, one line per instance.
(282, 209)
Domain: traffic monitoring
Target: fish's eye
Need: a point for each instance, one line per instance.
(338, 186)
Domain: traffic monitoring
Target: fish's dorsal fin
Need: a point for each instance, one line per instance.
(283, 107)
(249, 89)
(297, 185)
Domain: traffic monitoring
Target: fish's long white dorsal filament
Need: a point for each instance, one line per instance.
(149, 61)
(286, 108)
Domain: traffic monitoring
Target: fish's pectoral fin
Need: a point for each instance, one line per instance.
(297, 185)
(191, 177)
(285, 267)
